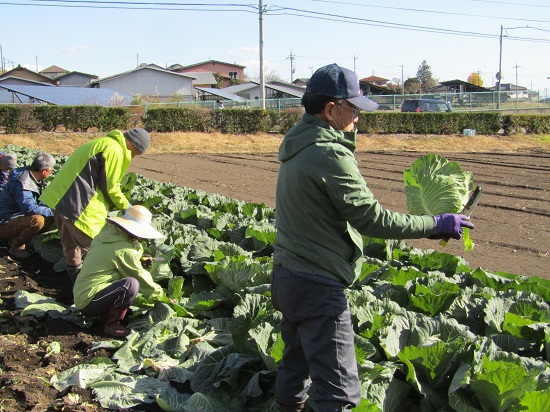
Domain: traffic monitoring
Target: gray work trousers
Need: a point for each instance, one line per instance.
(319, 343)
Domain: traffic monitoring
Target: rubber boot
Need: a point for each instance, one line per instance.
(113, 326)
(290, 407)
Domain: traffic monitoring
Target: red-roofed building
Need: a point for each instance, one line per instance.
(377, 81)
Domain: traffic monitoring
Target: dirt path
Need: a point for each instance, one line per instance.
(512, 220)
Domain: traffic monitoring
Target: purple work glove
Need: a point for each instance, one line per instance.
(450, 225)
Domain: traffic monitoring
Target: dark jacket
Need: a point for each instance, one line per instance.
(20, 196)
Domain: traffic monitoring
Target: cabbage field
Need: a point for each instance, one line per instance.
(432, 334)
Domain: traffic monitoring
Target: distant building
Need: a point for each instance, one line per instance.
(273, 90)
(514, 91)
(301, 81)
(375, 80)
(456, 86)
(76, 79)
(24, 73)
(53, 71)
(150, 81)
(233, 72)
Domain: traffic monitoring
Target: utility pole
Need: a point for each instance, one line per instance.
(262, 75)
(516, 67)
(402, 82)
(499, 74)
(354, 60)
(291, 58)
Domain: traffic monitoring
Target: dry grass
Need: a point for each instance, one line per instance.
(66, 143)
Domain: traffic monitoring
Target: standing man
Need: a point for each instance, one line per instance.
(323, 206)
(87, 187)
(22, 215)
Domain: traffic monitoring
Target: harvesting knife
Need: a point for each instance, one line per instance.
(468, 208)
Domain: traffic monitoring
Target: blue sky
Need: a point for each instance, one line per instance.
(388, 39)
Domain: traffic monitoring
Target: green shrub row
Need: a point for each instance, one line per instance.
(525, 123)
(34, 118)
(430, 123)
(237, 121)
(29, 118)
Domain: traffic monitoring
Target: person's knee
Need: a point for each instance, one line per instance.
(132, 285)
(37, 222)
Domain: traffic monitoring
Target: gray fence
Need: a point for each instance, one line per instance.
(478, 101)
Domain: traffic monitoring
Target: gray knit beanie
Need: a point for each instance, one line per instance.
(139, 137)
(8, 160)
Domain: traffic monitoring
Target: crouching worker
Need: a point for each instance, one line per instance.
(22, 215)
(112, 274)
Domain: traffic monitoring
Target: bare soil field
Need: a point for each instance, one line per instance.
(512, 231)
(512, 220)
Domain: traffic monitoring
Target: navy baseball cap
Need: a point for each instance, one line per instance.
(341, 83)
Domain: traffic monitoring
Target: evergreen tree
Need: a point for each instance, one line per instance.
(424, 75)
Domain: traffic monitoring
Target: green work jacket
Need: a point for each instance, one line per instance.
(113, 256)
(88, 184)
(323, 205)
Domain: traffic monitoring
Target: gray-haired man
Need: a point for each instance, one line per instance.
(22, 215)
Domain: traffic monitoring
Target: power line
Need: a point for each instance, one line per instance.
(430, 11)
(134, 5)
(377, 23)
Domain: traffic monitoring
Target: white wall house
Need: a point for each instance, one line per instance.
(150, 81)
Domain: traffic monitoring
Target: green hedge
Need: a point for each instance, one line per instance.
(239, 121)
(429, 123)
(9, 117)
(526, 123)
(17, 118)
(72, 118)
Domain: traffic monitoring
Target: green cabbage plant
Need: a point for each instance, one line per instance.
(434, 185)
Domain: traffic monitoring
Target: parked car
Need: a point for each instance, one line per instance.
(426, 105)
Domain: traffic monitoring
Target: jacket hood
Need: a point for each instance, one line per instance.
(296, 139)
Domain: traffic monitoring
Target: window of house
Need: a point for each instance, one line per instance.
(233, 75)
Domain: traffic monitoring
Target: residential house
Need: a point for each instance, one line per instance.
(273, 90)
(150, 81)
(76, 79)
(18, 81)
(53, 71)
(456, 86)
(203, 79)
(373, 89)
(234, 72)
(24, 73)
(513, 91)
(302, 81)
(375, 80)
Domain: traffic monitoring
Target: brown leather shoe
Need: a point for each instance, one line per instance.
(19, 253)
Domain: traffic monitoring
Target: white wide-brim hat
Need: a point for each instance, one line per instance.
(137, 221)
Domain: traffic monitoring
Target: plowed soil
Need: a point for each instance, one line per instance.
(512, 219)
(512, 234)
